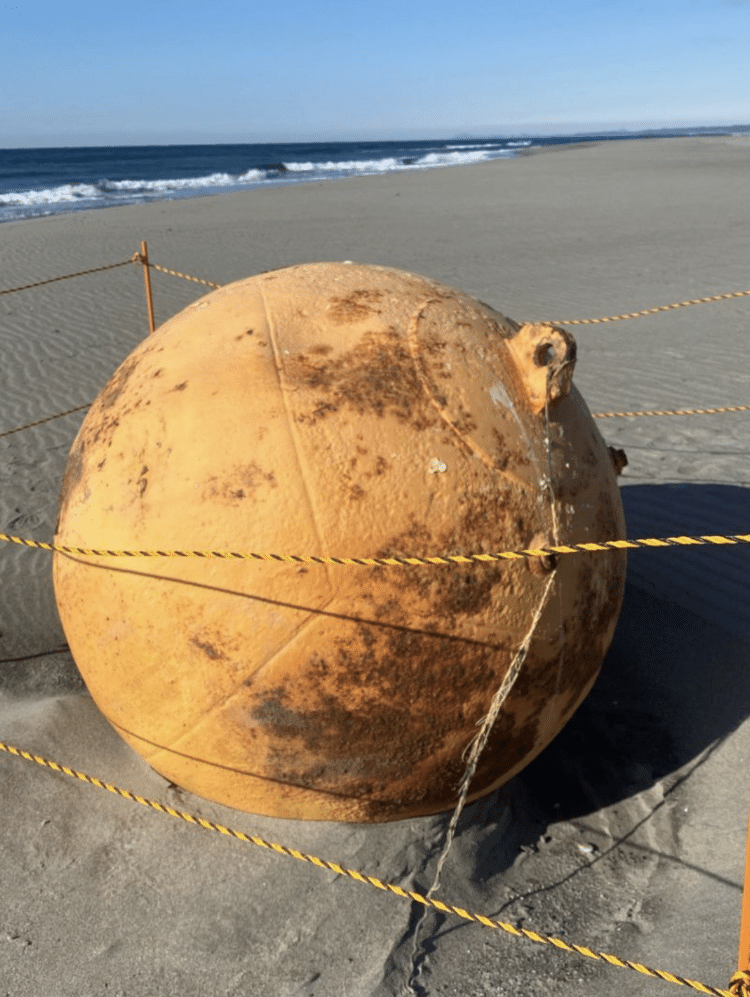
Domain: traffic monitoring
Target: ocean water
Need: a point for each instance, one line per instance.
(35, 182)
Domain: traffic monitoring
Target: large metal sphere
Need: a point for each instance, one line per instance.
(353, 411)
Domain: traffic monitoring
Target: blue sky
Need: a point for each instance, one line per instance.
(85, 73)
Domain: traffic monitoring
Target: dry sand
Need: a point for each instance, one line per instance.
(627, 834)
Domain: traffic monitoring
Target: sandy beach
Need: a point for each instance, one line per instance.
(628, 833)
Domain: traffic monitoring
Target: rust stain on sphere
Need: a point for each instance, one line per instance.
(346, 410)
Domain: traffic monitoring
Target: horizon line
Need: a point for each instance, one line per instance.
(499, 135)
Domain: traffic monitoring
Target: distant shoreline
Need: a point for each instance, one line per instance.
(614, 150)
(39, 183)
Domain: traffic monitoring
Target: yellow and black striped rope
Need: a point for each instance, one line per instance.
(176, 273)
(594, 415)
(370, 562)
(49, 418)
(580, 321)
(440, 905)
(135, 258)
(648, 311)
(739, 985)
(674, 411)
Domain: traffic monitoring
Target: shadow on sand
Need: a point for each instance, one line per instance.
(675, 684)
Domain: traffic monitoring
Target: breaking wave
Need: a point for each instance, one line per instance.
(22, 201)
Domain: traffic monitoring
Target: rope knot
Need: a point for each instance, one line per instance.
(739, 985)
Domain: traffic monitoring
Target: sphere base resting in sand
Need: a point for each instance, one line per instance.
(353, 411)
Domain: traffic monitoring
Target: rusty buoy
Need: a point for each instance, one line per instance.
(350, 411)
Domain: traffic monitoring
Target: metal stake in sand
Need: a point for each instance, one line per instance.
(147, 281)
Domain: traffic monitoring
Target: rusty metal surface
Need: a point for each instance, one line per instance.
(338, 409)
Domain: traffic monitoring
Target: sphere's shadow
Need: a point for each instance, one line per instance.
(674, 682)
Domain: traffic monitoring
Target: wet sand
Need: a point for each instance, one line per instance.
(627, 833)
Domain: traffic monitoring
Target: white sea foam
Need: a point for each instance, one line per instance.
(105, 192)
(347, 165)
(109, 189)
(481, 145)
(67, 193)
(186, 183)
(386, 165)
(454, 158)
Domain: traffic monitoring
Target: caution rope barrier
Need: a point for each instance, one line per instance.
(674, 411)
(369, 562)
(594, 415)
(176, 273)
(49, 418)
(379, 884)
(583, 321)
(135, 258)
(649, 311)
(138, 257)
